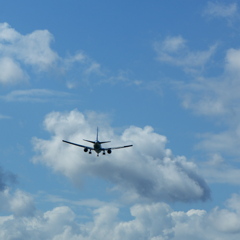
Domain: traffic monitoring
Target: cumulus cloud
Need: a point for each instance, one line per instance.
(11, 72)
(17, 202)
(24, 55)
(148, 171)
(32, 49)
(174, 50)
(18, 51)
(21, 53)
(156, 221)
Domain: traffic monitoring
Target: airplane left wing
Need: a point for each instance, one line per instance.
(78, 145)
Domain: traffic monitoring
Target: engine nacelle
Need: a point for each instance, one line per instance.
(85, 149)
(109, 151)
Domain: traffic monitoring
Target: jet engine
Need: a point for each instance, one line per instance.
(109, 151)
(85, 149)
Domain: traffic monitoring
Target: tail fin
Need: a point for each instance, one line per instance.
(97, 138)
(97, 135)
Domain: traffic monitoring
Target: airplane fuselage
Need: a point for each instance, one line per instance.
(97, 147)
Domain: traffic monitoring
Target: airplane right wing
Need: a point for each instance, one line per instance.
(112, 148)
(78, 145)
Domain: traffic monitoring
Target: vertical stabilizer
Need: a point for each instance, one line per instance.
(97, 135)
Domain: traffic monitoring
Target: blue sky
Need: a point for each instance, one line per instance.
(161, 75)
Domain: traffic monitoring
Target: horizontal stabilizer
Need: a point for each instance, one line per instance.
(89, 141)
(104, 142)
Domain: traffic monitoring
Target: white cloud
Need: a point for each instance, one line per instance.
(173, 44)
(125, 77)
(157, 221)
(19, 203)
(173, 50)
(88, 65)
(11, 72)
(233, 62)
(35, 50)
(220, 170)
(147, 171)
(32, 49)
(23, 55)
(8, 34)
(226, 142)
(219, 99)
(217, 9)
(18, 52)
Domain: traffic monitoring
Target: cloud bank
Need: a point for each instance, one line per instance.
(148, 171)
(156, 221)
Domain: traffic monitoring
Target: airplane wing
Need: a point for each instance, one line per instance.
(113, 148)
(78, 145)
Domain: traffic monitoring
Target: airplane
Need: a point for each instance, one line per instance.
(96, 146)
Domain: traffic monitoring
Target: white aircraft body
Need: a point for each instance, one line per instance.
(97, 146)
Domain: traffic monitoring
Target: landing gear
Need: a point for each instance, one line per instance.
(90, 152)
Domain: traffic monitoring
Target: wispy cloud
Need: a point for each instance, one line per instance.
(91, 203)
(4, 116)
(223, 173)
(174, 50)
(34, 95)
(219, 99)
(125, 77)
(219, 9)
